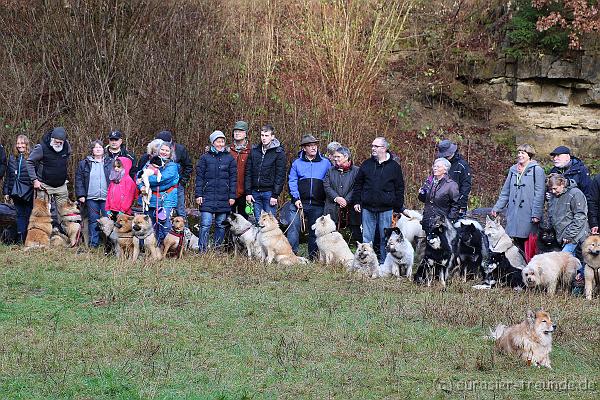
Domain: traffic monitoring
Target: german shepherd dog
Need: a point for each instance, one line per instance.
(472, 249)
(531, 340)
(439, 250)
(591, 256)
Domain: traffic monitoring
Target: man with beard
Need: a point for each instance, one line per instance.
(116, 149)
(572, 168)
(47, 164)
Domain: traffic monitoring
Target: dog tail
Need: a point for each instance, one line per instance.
(496, 333)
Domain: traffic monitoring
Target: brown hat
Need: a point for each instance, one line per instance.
(308, 139)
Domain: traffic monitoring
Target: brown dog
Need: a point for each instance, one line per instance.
(174, 243)
(70, 221)
(531, 340)
(125, 242)
(274, 243)
(39, 229)
(143, 230)
(591, 256)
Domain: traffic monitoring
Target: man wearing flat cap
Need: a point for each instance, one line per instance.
(307, 191)
(116, 149)
(459, 172)
(48, 164)
(571, 167)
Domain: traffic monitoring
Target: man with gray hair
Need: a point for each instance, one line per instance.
(378, 192)
(48, 162)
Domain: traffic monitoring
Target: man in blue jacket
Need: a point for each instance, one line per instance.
(378, 192)
(571, 167)
(307, 191)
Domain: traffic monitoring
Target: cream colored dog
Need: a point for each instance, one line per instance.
(591, 256)
(332, 246)
(365, 260)
(545, 270)
(274, 243)
(531, 340)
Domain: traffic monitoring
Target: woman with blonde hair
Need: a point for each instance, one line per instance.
(522, 196)
(18, 186)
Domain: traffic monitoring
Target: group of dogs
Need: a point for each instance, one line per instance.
(462, 248)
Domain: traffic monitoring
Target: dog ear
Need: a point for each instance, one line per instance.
(146, 218)
(530, 317)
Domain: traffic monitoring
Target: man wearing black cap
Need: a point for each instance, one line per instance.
(572, 168)
(459, 172)
(116, 148)
(182, 158)
(47, 164)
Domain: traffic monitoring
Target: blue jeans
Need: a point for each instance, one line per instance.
(206, 219)
(262, 202)
(372, 220)
(23, 209)
(162, 228)
(181, 201)
(311, 213)
(95, 210)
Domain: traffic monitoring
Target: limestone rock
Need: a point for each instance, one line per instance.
(533, 92)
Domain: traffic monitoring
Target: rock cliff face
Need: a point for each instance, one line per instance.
(558, 100)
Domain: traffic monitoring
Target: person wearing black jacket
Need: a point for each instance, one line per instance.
(17, 185)
(265, 172)
(182, 158)
(459, 172)
(116, 149)
(594, 205)
(571, 167)
(2, 161)
(378, 192)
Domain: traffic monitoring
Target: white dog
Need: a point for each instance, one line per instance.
(191, 240)
(400, 255)
(246, 233)
(332, 246)
(410, 225)
(545, 270)
(365, 260)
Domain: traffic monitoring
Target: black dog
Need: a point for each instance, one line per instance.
(471, 249)
(439, 255)
(546, 241)
(500, 272)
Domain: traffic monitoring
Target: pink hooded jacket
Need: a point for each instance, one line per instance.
(121, 195)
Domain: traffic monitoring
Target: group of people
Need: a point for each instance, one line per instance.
(249, 179)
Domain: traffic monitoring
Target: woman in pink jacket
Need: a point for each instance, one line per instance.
(122, 190)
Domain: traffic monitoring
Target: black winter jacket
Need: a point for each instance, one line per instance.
(379, 187)
(48, 166)
(460, 172)
(2, 161)
(594, 203)
(182, 157)
(15, 171)
(578, 172)
(216, 179)
(82, 176)
(440, 199)
(123, 152)
(265, 172)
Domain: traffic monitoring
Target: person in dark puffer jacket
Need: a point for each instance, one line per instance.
(91, 186)
(17, 171)
(116, 149)
(459, 172)
(216, 181)
(378, 192)
(307, 191)
(571, 168)
(265, 173)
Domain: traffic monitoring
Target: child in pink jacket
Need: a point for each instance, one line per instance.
(122, 190)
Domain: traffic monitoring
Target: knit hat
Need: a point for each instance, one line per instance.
(165, 136)
(240, 126)
(214, 136)
(446, 148)
(59, 133)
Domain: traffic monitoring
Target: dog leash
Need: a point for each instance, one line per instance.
(302, 223)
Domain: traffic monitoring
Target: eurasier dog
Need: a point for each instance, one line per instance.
(108, 233)
(246, 235)
(400, 255)
(531, 340)
(365, 260)
(125, 242)
(174, 243)
(143, 232)
(410, 225)
(274, 243)
(332, 246)
(546, 270)
(499, 270)
(39, 229)
(472, 248)
(591, 256)
(439, 250)
(70, 220)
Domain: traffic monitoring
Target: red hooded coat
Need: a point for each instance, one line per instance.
(121, 195)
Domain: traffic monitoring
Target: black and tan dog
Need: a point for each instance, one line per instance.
(71, 222)
(174, 243)
(143, 235)
(125, 238)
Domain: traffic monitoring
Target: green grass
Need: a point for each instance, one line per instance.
(86, 327)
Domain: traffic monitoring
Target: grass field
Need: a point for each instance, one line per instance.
(81, 326)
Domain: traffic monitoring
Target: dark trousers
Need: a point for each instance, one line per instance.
(23, 209)
(311, 213)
